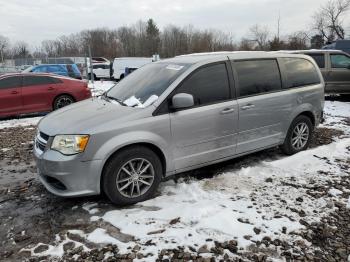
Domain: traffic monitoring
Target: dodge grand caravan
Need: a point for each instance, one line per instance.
(176, 115)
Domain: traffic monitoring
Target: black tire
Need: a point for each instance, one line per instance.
(95, 78)
(287, 146)
(62, 101)
(121, 77)
(113, 171)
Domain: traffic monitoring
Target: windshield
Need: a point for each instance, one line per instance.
(143, 87)
(27, 70)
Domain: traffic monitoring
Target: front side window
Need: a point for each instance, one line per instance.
(340, 61)
(56, 69)
(208, 85)
(39, 69)
(319, 59)
(144, 86)
(97, 66)
(257, 77)
(10, 82)
(300, 72)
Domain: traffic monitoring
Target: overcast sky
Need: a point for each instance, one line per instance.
(37, 20)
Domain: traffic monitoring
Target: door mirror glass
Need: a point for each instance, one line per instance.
(182, 100)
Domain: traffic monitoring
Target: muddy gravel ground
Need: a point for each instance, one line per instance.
(30, 215)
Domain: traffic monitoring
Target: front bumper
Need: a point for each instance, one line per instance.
(67, 176)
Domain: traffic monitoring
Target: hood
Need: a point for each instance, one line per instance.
(83, 117)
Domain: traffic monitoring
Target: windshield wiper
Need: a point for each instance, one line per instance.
(115, 99)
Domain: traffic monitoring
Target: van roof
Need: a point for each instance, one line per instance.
(310, 51)
(132, 57)
(202, 57)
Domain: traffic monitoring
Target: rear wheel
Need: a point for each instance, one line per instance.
(299, 135)
(90, 76)
(62, 101)
(132, 175)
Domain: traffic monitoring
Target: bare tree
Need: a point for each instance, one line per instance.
(298, 41)
(260, 34)
(4, 45)
(20, 50)
(328, 20)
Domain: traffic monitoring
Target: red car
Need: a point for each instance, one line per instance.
(25, 93)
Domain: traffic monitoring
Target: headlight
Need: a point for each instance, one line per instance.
(70, 144)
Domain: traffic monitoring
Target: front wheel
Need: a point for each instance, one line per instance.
(62, 101)
(132, 175)
(299, 135)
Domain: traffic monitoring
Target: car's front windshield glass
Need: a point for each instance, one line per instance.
(144, 86)
(27, 70)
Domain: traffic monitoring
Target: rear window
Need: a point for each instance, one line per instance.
(73, 68)
(300, 72)
(10, 82)
(319, 59)
(38, 80)
(258, 76)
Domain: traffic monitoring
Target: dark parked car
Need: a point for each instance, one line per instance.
(335, 68)
(70, 70)
(343, 45)
(25, 93)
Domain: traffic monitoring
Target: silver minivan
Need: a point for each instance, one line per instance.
(177, 115)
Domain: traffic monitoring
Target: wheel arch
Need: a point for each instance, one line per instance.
(148, 145)
(61, 94)
(310, 115)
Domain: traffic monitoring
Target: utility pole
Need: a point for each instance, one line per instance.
(91, 69)
(278, 25)
(86, 67)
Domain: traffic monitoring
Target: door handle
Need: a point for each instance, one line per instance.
(50, 88)
(14, 92)
(247, 106)
(227, 110)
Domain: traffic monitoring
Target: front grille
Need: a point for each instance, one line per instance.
(40, 145)
(44, 136)
(41, 141)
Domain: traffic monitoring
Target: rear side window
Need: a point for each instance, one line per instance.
(340, 61)
(10, 82)
(300, 72)
(319, 59)
(208, 85)
(257, 76)
(38, 80)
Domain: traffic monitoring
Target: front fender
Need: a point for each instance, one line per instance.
(131, 138)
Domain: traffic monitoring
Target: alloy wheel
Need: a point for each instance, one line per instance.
(135, 177)
(64, 101)
(300, 136)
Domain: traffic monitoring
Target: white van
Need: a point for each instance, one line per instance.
(121, 63)
(101, 70)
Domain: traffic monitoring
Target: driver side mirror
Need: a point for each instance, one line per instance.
(182, 100)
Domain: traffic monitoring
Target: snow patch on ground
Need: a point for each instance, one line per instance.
(20, 122)
(336, 108)
(231, 205)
